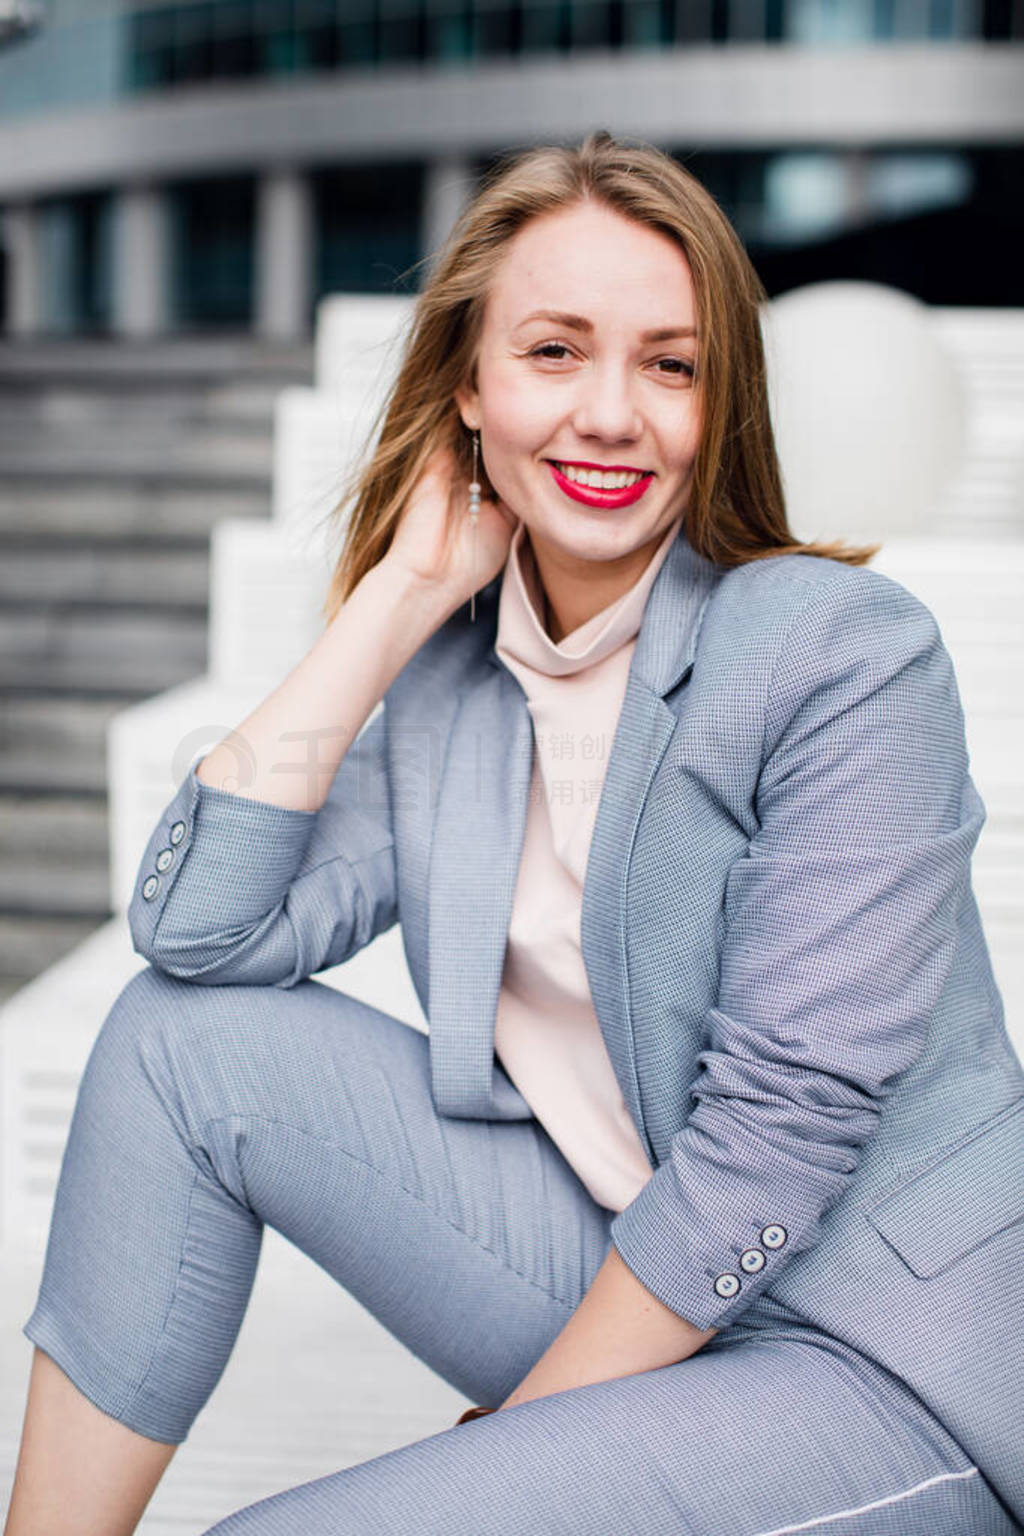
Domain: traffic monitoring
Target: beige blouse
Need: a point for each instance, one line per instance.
(547, 1037)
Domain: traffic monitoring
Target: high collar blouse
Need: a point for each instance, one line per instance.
(547, 1036)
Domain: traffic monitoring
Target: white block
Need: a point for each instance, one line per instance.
(1007, 954)
(267, 588)
(975, 589)
(319, 440)
(359, 340)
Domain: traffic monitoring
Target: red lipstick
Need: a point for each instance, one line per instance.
(624, 497)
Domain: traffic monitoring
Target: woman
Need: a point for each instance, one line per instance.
(706, 1186)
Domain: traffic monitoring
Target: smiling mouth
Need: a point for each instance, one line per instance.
(600, 479)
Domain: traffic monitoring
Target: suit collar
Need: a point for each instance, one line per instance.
(667, 642)
(478, 836)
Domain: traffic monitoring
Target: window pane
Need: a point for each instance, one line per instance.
(496, 28)
(449, 32)
(648, 23)
(213, 228)
(368, 227)
(545, 25)
(357, 37)
(193, 47)
(590, 24)
(400, 30)
(232, 39)
(315, 21)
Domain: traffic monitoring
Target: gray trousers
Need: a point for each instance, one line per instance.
(206, 1112)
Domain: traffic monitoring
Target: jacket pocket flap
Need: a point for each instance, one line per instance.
(974, 1191)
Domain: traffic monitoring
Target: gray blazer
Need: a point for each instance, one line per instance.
(782, 943)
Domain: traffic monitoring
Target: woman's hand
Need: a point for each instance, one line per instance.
(433, 541)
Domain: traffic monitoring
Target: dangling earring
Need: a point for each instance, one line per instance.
(474, 513)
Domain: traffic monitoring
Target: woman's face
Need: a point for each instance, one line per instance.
(586, 359)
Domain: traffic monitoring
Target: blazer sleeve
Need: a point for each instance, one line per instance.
(236, 890)
(839, 930)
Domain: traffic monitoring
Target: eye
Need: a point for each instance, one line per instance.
(556, 351)
(546, 348)
(681, 366)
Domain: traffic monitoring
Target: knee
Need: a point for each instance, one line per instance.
(163, 1018)
(148, 991)
(196, 1049)
(148, 1003)
(170, 1028)
(154, 1015)
(136, 1022)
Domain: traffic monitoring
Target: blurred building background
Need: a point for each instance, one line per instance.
(182, 184)
(221, 164)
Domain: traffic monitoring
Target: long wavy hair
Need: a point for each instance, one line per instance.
(736, 511)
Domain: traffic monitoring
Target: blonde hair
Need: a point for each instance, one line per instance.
(736, 510)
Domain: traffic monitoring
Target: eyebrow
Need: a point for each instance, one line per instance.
(580, 323)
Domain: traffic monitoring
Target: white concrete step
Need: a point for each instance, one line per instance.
(143, 507)
(35, 570)
(188, 364)
(71, 648)
(358, 340)
(54, 856)
(31, 942)
(256, 569)
(988, 494)
(97, 468)
(77, 410)
(55, 744)
(239, 458)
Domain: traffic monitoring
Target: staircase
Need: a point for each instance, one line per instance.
(116, 462)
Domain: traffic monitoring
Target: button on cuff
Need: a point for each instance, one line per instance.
(773, 1236)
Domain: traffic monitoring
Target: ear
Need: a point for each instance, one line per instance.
(468, 401)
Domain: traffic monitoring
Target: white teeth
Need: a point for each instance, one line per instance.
(601, 480)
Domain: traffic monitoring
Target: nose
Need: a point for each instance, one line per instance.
(605, 407)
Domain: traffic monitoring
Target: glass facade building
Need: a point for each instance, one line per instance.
(100, 50)
(222, 164)
(229, 39)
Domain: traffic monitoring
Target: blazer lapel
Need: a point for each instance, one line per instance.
(662, 662)
(478, 837)
(644, 731)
